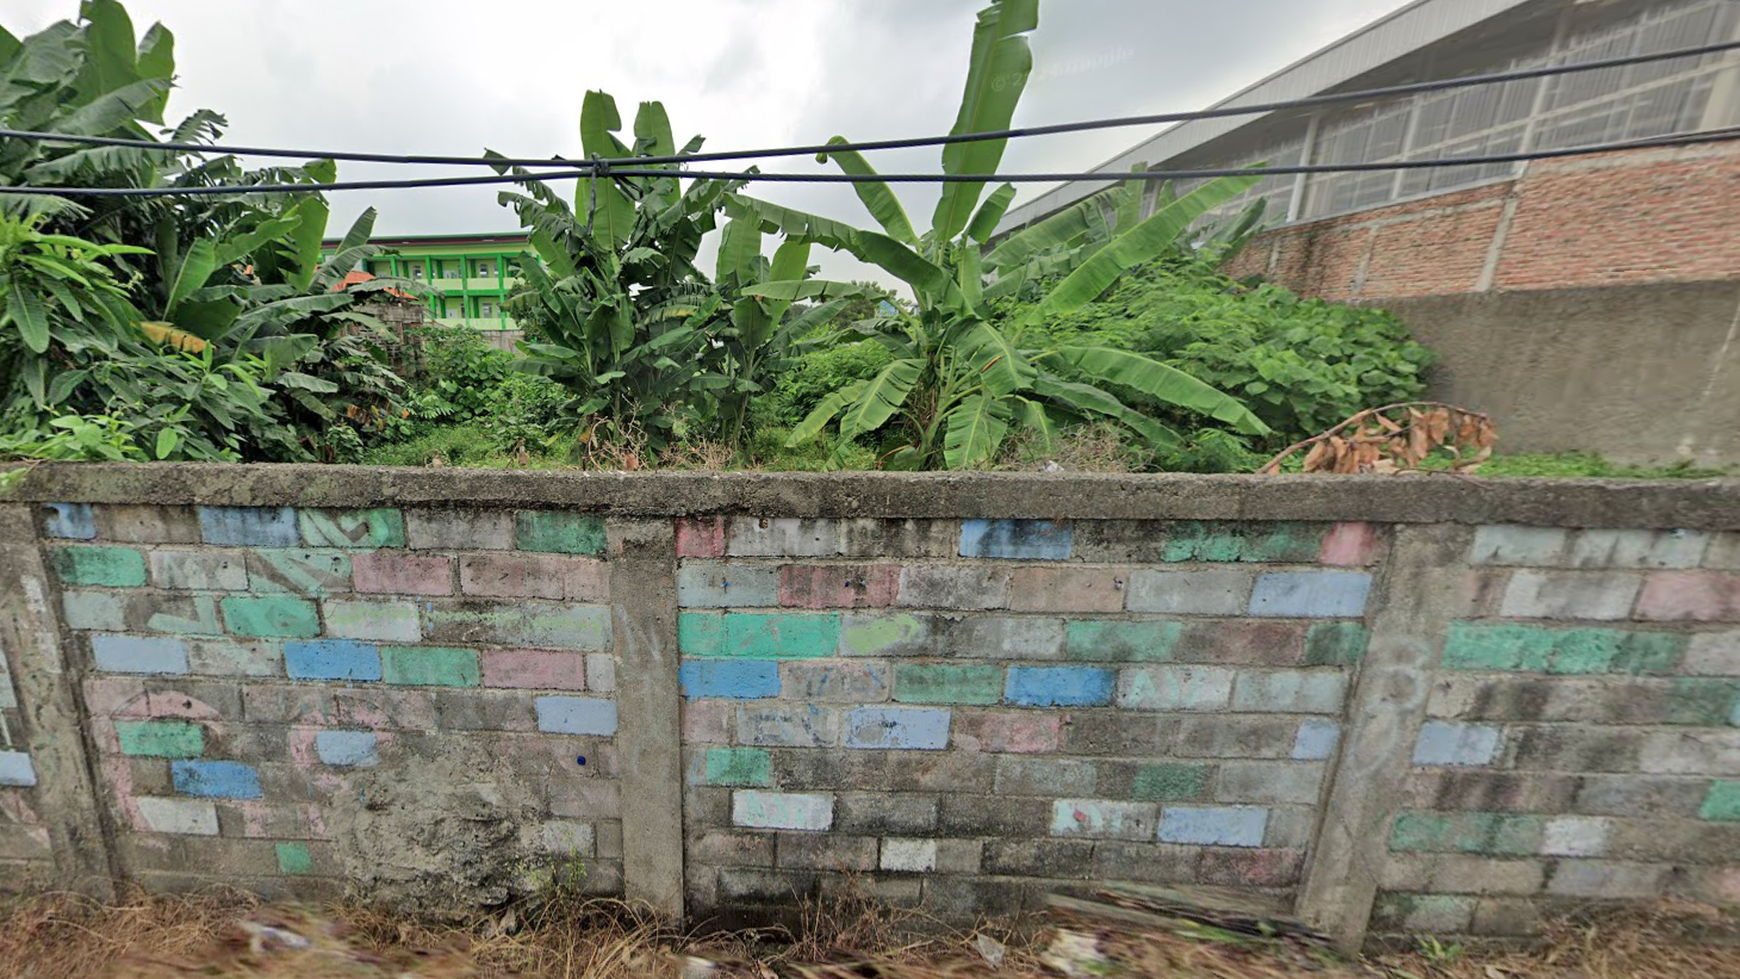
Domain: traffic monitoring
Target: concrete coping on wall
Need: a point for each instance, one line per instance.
(1692, 505)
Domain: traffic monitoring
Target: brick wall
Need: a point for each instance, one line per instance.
(1400, 705)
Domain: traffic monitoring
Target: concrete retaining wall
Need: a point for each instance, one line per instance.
(1400, 704)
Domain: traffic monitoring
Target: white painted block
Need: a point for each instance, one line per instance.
(783, 810)
(909, 856)
(189, 817)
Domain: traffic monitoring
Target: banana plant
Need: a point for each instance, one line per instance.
(960, 381)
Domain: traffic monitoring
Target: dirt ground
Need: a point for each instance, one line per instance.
(225, 934)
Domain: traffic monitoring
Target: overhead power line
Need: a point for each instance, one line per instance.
(562, 163)
(601, 170)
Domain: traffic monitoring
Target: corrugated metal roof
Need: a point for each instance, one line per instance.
(1378, 43)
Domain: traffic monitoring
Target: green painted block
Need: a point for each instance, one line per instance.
(293, 858)
(384, 527)
(916, 683)
(1705, 702)
(311, 573)
(161, 739)
(560, 533)
(760, 636)
(1336, 644)
(1111, 641)
(1231, 542)
(111, 567)
(430, 666)
(1722, 803)
(701, 633)
(741, 767)
(292, 618)
(1490, 833)
(1535, 649)
(884, 635)
(1170, 783)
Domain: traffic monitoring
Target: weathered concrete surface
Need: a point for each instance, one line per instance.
(48, 693)
(1693, 505)
(1424, 589)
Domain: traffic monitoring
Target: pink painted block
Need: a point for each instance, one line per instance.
(700, 536)
(1674, 596)
(586, 580)
(1349, 545)
(115, 696)
(174, 704)
(707, 721)
(399, 573)
(506, 574)
(1067, 590)
(838, 585)
(534, 669)
(1017, 732)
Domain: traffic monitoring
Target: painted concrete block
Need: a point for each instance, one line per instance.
(519, 624)
(831, 681)
(1214, 825)
(1575, 836)
(1316, 739)
(215, 779)
(1722, 803)
(69, 521)
(739, 767)
(430, 666)
(160, 739)
(1723, 553)
(1491, 833)
(1599, 595)
(908, 856)
(1290, 691)
(1537, 649)
(1101, 819)
(332, 659)
(185, 817)
(1639, 548)
(1457, 744)
(1059, 686)
(380, 621)
(718, 584)
(885, 634)
(953, 586)
(299, 571)
(533, 669)
(262, 617)
(1713, 654)
(749, 679)
(1607, 880)
(788, 725)
(208, 569)
(104, 611)
(822, 586)
(1512, 544)
(601, 672)
(193, 615)
(403, 573)
(384, 527)
(1068, 589)
(781, 537)
(1349, 545)
(294, 859)
(17, 770)
(1051, 777)
(148, 524)
(1024, 637)
(1170, 782)
(947, 684)
(108, 567)
(234, 526)
(1311, 594)
(1170, 688)
(503, 574)
(897, 728)
(346, 749)
(1218, 592)
(553, 531)
(1279, 543)
(1269, 782)
(1016, 732)
(138, 654)
(700, 537)
(577, 715)
(782, 810)
(753, 635)
(458, 530)
(1022, 540)
(1120, 641)
(1690, 751)
(1690, 596)
(1336, 643)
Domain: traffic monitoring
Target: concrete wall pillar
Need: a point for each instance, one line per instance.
(48, 695)
(1424, 588)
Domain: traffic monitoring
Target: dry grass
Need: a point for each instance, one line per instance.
(850, 936)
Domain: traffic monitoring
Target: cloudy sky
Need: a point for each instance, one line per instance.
(453, 77)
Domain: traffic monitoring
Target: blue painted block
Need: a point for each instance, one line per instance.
(1450, 743)
(1311, 594)
(1214, 825)
(1059, 686)
(577, 715)
(72, 521)
(742, 679)
(332, 659)
(248, 526)
(346, 749)
(923, 728)
(216, 779)
(16, 770)
(139, 654)
(1316, 739)
(1024, 540)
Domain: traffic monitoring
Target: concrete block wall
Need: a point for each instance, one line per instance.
(1402, 705)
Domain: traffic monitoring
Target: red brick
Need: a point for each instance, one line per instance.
(399, 573)
(838, 585)
(1067, 590)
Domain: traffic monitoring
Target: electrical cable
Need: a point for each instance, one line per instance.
(1335, 98)
(1694, 139)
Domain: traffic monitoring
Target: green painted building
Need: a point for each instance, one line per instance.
(471, 276)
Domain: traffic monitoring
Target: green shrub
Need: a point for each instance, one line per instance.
(821, 373)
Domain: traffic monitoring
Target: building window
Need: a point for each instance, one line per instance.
(486, 309)
(451, 270)
(485, 270)
(414, 271)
